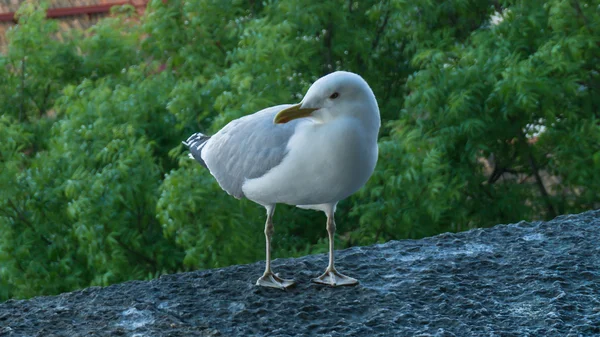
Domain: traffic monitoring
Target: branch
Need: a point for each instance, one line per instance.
(42, 107)
(379, 230)
(24, 220)
(220, 47)
(496, 174)
(380, 30)
(497, 6)
(223, 51)
(251, 4)
(139, 255)
(580, 13)
(536, 174)
(499, 170)
(359, 60)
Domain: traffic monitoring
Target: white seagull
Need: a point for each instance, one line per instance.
(311, 155)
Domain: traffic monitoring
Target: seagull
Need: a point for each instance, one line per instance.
(311, 155)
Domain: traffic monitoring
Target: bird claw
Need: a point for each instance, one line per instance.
(274, 281)
(333, 278)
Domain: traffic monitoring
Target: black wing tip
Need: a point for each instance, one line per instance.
(195, 138)
(196, 143)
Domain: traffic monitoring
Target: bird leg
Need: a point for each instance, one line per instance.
(331, 276)
(268, 279)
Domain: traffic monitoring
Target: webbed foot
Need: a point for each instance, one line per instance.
(333, 278)
(274, 281)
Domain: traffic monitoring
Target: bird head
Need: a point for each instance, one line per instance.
(339, 94)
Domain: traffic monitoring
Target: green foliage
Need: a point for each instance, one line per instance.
(485, 121)
(214, 230)
(486, 99)
(38, 74)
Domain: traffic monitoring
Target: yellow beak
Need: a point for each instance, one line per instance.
(291, 113)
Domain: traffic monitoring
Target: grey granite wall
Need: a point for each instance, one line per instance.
(525, 279)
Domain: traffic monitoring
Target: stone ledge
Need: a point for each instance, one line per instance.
(538, 279)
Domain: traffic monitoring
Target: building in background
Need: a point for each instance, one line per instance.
(77, 14)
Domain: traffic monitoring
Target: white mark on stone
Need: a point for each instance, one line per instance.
(409, 258)
(235, 307)
(534, 237)
(133, 319)
(470, 249)
(477, 248)
(527, 310)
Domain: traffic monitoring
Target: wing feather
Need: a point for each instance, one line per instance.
(247, 148)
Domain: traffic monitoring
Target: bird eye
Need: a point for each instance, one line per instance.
(334, 95)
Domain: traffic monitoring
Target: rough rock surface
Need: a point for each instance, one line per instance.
(526, 279)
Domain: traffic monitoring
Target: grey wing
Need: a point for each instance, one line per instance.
(247, 148)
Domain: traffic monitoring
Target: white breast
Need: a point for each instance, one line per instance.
(326, 163)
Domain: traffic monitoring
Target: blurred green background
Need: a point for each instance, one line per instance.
(491, 114)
